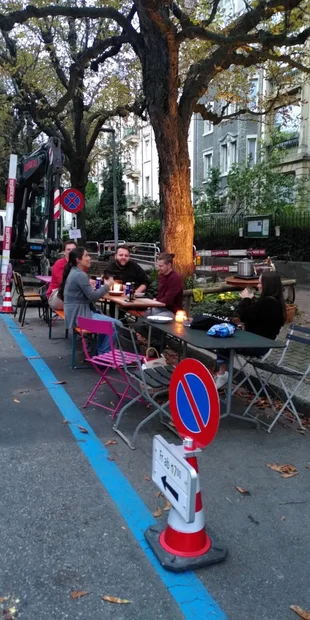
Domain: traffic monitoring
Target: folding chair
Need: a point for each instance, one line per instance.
(24, 299)
(150, 385)
(292, 367)
(114, 360)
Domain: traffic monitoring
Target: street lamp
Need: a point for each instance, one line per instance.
(115, 214)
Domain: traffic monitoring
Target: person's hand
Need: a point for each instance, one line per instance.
(246, 294)
(92, 283)
(109, 281)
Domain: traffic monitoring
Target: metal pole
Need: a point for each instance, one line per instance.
(115, 214)
(9, 212)
(114, 182)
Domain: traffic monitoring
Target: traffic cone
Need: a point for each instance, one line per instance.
(186, 546)
(7, 301)
(187, 539)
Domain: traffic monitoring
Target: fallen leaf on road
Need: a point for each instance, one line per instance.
(110, 458)
(34, 357)
(243, 491)
(168, 505)
(23, 392)
(3, 598)
(159, 493)
(78, 593)
(112, 404)
(307, 466)
(286, 471)
(66, 422)
(157, 512)
(59, 382)
(82, 429)
(147, 478)
(283, 518)
(305, 615)
(115, 599)
(111, 442)
(16, 400)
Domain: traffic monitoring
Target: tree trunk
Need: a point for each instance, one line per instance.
(175, 195)
(79, 176)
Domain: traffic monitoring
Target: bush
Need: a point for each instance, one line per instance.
(145, 232)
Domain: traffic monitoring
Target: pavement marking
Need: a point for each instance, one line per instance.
(191, 596)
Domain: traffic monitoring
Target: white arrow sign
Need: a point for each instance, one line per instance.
(175, 477)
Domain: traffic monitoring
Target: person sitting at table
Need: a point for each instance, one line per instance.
(124, 269)
(264, 317)
(78, 295)
(54, 301)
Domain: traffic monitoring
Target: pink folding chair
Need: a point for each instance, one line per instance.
(111, 361)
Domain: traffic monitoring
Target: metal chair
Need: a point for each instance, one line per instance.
(24, 299)
(114, 360)
(289, 373)
(150, 384)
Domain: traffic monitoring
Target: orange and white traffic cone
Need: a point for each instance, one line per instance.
(186, 546)
(7, 307)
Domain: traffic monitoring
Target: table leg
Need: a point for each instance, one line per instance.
(149, 336)
(229, 384)
(116, 313)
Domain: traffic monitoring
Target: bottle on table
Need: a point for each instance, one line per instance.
(98, 283)
(127, 289)
(132, 292)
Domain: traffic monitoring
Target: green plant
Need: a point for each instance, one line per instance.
(145, 232)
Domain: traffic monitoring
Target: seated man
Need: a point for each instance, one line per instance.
(57, 274)
(170, 293)
(126, 270)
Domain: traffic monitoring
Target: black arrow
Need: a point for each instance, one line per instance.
(167, 486)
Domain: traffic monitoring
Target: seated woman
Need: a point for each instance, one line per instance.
(263, 317)
(78, 294)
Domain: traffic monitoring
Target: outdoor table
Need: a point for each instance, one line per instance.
(140, 303)
(44, 279)
(200, 339)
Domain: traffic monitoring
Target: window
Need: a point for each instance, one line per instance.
(224, 158)
(147, 186)
(208, 125)
(146, 149)
(254, 94)
(228, 154)
(251, 144)
(207, 164)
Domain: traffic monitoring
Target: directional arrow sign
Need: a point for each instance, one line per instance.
(173, 475)
(169, 487)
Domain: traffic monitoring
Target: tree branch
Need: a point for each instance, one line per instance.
(50, 48)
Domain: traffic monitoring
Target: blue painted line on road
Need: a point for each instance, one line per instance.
(186, 589)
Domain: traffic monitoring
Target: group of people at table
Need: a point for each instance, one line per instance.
(73, 291)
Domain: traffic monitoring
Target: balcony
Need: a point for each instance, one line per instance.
(131, 135)
(131, 171)
(133, 200)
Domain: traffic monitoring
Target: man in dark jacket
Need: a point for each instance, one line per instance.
(126, 270)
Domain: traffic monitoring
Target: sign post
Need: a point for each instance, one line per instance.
(72, 200)
(7, 237)
(194, 404)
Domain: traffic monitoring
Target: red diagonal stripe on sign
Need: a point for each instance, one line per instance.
(192, 403)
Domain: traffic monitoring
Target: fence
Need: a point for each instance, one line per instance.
(221, 231)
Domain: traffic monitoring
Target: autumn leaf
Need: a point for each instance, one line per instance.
(111, 442)
(159, 494)
(82, 429)
(157, 512)
(78, 593)
(66, 422)
(59, 382)
(16, 400)
(305, 615)
(147, 478)
(243, 491)
(115, 599)
(286, 471)
(110, 458)
(307, 466)
(3, 598)
(168, 505)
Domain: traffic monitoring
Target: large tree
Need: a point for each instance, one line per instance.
(183, 53)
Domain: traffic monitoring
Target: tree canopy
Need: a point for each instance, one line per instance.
(73, 66)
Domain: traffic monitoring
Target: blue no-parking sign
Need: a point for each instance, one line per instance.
(194, 402)
(72, 200)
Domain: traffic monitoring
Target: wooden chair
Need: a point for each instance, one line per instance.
(24, 299)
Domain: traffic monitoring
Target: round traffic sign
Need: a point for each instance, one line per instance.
(72, 200)
(194, 402)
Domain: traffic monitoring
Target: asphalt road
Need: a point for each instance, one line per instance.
(65, 526)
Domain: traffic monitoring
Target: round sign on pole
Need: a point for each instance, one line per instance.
(72, 200)
(194, 402)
